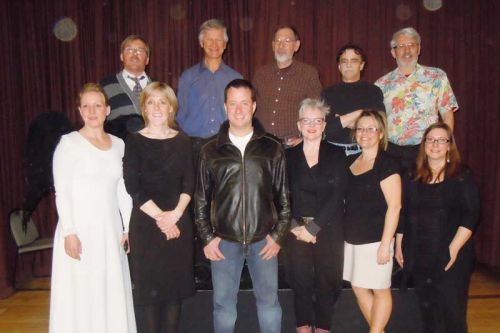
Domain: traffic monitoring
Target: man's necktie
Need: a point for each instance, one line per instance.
(137, 88)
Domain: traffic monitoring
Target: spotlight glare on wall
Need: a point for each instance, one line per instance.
(65, 29)
(433, 5)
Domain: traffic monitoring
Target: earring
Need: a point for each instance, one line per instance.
(323, 137)
(448, 156)
(300, 134)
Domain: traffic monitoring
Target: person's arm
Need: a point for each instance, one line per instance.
(447, 102)
(168, 219)
(449, 119)
(391, 188)
(469, 205)
(203, 200)
(461, 237)
(182, 97)
(403, 218)
(349, 119)
(63, 165)
(282, 201)
(125, 207)
(313, 85)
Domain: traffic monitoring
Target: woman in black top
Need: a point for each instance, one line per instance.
(314, 249)
(373, 201)
(158, 173)
(440, 212)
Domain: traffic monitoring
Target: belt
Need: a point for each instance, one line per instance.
(304, 220)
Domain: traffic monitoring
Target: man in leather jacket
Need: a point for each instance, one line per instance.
(242, 209)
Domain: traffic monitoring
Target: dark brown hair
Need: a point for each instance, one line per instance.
(423, 172)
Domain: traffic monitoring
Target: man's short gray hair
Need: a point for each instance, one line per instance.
(313, 103)
(407, 32)
(212, 24)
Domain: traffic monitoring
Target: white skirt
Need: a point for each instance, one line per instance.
(361, 267)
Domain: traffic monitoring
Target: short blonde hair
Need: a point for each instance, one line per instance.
(168, 93)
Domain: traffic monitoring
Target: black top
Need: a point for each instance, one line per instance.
(159, 170)
(318, 191)
(431, 216)
(365, 202)
(344, 98)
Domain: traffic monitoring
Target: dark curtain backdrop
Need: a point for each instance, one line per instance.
(40, 72)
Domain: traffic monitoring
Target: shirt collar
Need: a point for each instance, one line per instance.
(204, 67)
(417, 69)
(127, 73)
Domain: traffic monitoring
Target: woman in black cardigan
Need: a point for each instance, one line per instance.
(314, 249)
(434, 245)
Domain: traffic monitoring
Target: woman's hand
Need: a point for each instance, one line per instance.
(172, 233)
(383, 254)
(124, 242)
(303, 235)
(399, 250)
(73, 246)
(167, 219)
(453, 256)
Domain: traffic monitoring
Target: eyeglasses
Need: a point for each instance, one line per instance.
(440, 141)
(286, 41)
(369, 130)
(350, 61)
(312, 121)
(404, 46)
(132, 50)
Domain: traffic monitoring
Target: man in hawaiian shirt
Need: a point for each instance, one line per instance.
(415, 97)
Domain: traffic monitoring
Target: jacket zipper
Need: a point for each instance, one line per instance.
(244, 197)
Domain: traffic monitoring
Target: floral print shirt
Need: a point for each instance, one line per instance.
(414, 102)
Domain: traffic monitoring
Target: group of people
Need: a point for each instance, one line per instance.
(340, 180)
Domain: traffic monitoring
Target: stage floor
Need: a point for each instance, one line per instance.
(27, 311)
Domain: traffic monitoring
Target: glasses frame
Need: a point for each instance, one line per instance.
(312, 121)
(369, 130)
(439, 141)
(134, 50)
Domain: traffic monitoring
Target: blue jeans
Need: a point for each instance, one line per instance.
(226, 276)
(349, 148)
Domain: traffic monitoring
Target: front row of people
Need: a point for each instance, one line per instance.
(344, 215)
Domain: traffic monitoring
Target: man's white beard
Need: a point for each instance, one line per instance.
(281, 58)
(411, 65)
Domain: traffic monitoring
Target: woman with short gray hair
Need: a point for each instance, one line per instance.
(317, 177)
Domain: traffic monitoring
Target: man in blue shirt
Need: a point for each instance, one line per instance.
(201, 87)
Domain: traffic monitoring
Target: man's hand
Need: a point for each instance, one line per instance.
(270, 250)
(212, 251)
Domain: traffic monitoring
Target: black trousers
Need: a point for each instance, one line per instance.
(314, 272)
(442, 297)
(406, 155)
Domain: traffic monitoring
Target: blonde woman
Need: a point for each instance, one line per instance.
(158, 172)
(373, 201)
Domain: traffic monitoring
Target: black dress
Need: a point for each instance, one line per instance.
(314, 271)
(159, 170)
(431, 215)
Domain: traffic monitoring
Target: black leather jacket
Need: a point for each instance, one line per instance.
(242, 199)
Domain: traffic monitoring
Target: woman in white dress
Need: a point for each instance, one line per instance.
(91, 289)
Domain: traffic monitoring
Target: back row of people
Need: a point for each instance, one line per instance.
(414, 96)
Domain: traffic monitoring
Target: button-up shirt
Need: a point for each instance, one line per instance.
(279, 93)
(201, 99)
(414, 102)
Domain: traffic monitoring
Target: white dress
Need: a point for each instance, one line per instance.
(93, 295)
